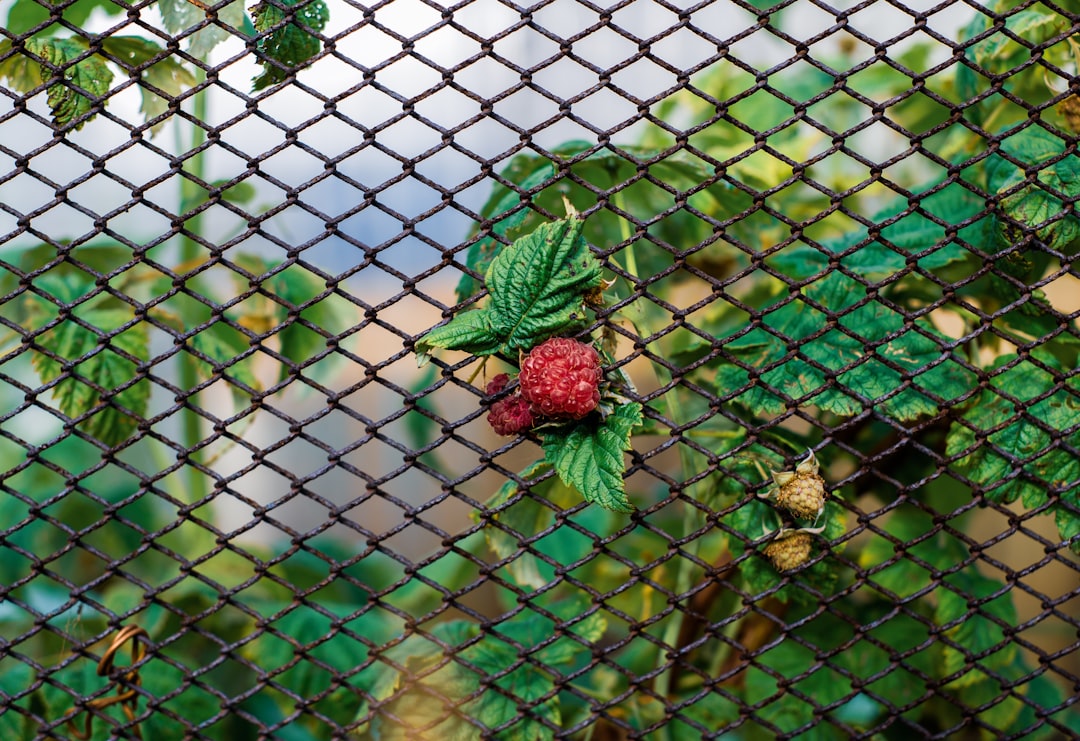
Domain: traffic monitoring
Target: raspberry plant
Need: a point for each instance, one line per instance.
(726, 292)
(908, 327)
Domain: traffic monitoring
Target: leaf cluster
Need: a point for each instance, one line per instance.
(77, 69)
(287, 37)
(885, 313)
(92, 350)
(456, 682)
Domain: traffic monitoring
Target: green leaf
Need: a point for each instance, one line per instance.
(753, 519)
(504, 201)
(1005, 441)
(15, 680)
(537, 286)
(180, 15)
(175, 695)
(27, 14)
(77, 683)
(890, 659)
(898, 368)
(905, 568)
(469, 331)
(294, 287)
(288, 43)
(532, 627)
(781, 709)
(217, 352)
(168, 75)
(1001, 53)
(308, 651)
(997, 696)
(1067, 518)
(589, 457)
(934, 225)
(20, 71)
(974, 637)
(1035, 204)
(419, 706)
(1046, 697)
(100, 384)
(239, 193)
(73, 75)
(547, 183)
(522, 517)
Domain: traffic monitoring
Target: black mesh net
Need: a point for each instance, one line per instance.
(486, 370)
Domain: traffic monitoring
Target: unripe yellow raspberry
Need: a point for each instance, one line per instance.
(802, 491)
(789, 552)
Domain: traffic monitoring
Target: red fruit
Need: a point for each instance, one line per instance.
(497, 384)
(511, 415)
(561, 378)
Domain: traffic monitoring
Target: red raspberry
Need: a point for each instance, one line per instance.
(497, 384)
(561, 378)
(511, 415)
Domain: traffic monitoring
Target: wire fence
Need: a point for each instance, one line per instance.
(635, 371)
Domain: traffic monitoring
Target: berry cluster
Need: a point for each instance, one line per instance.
(560, 379)
(511, 414)
(802, 494)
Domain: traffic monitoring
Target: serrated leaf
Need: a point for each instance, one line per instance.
(1035, 204)
(753, 519)
(921, 226)
(1004, 442)
(73, 77)
(180, 15)
(899, 371)
(589, 457)
(503, 201)
(166, 74)
(1067, 518)
(577, 169)
(290, 42)
(1001, 53)
(469, 331)
(537, 284)
(98, 385)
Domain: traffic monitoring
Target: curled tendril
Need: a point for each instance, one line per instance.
(125, 683)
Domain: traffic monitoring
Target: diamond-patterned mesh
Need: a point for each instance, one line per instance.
(233, 506)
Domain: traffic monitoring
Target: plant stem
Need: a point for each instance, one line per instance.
(684, 575)
(191, 195)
